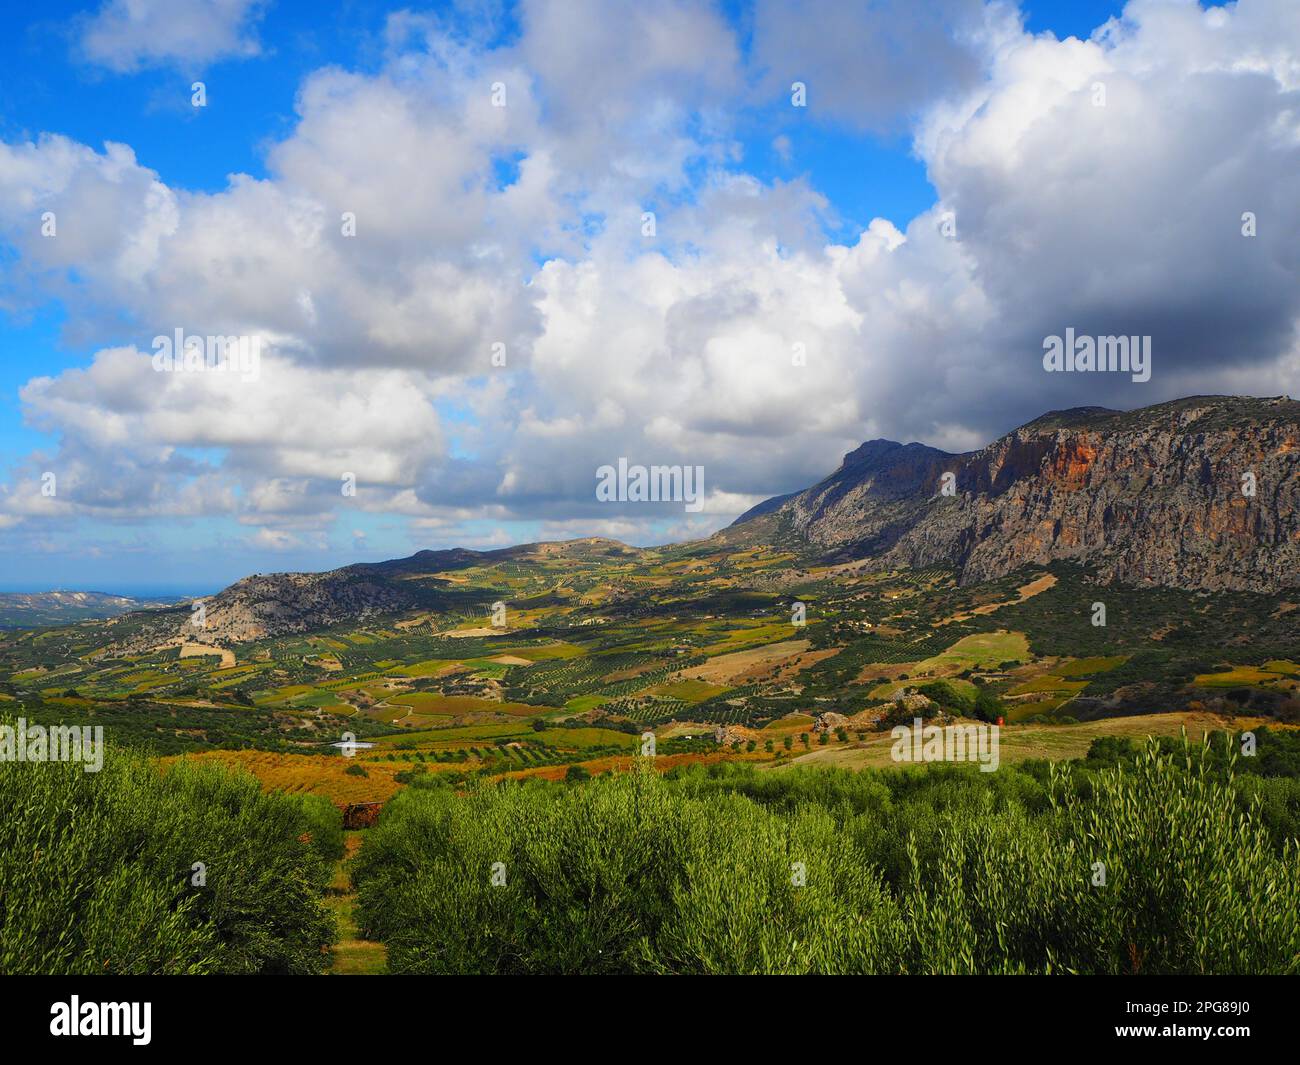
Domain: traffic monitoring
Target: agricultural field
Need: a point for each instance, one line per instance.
(696, 644)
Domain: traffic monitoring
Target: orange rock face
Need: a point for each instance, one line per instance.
(1198, 493)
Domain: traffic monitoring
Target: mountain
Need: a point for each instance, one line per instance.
(1156, 496)
(282, 604)
(29, 610)
(1146, 497)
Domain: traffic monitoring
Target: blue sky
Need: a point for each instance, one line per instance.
(47, 88)
(299, 92)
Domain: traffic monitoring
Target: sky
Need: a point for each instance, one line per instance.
(481, 250)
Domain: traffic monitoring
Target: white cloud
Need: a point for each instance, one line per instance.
(274, 540)
(126, 35)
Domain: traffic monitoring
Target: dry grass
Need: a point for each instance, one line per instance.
(1056, 742)
(318, 774)
(745, 665)
(197, 650)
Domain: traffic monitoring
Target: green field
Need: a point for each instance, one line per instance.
(985, 650)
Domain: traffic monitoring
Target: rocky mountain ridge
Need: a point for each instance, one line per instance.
(1156, 496)
(1200, 493)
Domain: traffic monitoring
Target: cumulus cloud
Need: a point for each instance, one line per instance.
(135, 440)
(873, 66)
(1105, 184)
(126, 35)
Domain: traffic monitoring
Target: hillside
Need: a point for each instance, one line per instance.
(267, 605)
(1147, 497)
(26, 610)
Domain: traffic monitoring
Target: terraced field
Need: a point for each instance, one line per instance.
(603, 643)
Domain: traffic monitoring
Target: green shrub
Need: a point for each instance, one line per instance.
(324, 823)
(725, 869)
(1193, 881)
(98, 871)
(622, 875)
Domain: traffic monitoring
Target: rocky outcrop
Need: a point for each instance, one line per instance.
(829, 721)
(1158, 496)
(276, 603)
(912, 701)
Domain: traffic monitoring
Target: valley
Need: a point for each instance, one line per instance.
(698, 644)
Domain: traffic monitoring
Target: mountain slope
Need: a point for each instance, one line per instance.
(1152, 496)
(24, 610)
(281, 604)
